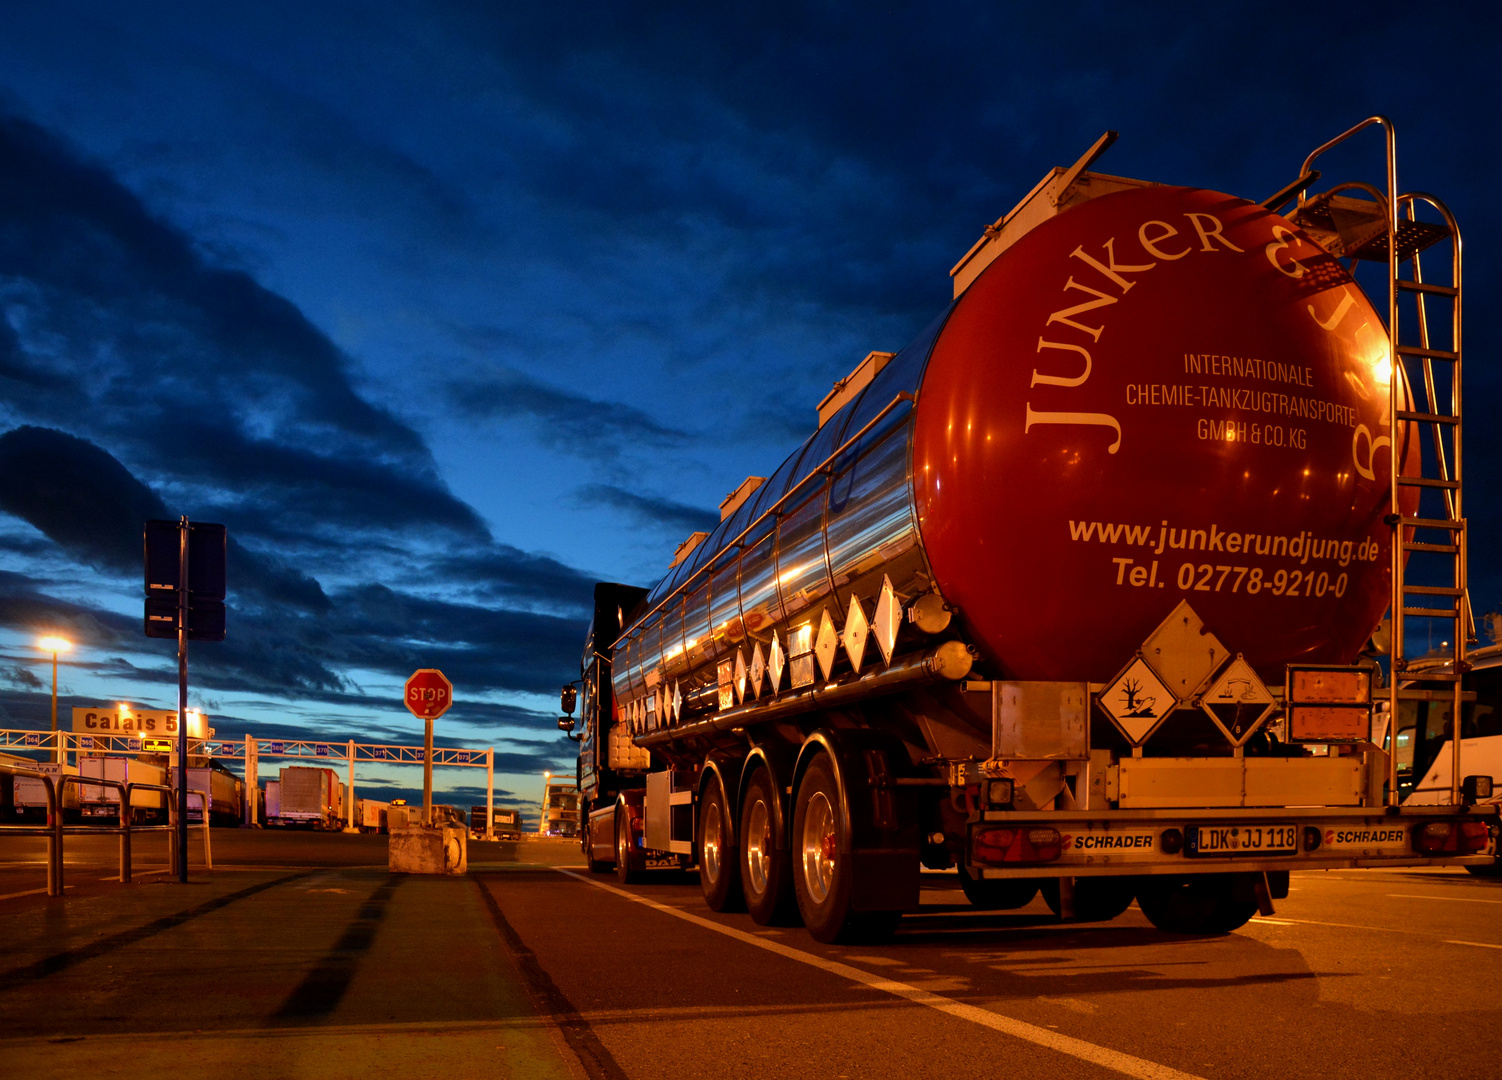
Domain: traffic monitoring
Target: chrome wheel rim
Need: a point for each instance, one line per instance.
(714, 839)
(622, 849)
(818, 846)
(758, 842)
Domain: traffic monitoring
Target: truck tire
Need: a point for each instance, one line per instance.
(629, 868)
(1199, 904)
(1096, 899)
(1004, 895)
(719, 861)
(766, 871)
(596, 866)
(822, 873)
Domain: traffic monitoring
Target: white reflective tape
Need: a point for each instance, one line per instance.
(1115, 1060)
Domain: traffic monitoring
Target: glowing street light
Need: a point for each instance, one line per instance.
(542, 814)
(55, 645)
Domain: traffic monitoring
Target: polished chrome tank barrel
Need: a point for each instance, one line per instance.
(832, 522)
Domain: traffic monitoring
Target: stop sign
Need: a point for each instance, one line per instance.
(429, 693)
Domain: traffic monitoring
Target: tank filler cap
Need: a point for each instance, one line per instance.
(930, 613)
(952, 660)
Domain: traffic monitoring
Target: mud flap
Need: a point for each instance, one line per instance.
(1256, 887)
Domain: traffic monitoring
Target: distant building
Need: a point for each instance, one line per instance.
(560, 809)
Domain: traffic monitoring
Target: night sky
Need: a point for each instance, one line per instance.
(449, 310)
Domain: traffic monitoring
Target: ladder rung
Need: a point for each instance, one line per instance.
(1448, 549)
(1427, 676)
(1433, 523)
(1428, 354)
(1428, 417)
(1425, 287)
(1431, 613)
(1424, 481)
(1433, 590)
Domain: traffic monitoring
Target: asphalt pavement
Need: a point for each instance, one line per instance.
(1361, 975)
(298, 955)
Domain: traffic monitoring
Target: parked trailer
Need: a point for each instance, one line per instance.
(29, 797)
(1063, 595)
(226, 794)
(307, 796)
(7, 783)
(372, 816)
(101, 801)
(505, 824)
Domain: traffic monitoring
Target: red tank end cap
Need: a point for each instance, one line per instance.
(1162, 394)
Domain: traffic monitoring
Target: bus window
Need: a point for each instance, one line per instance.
(1484, 715)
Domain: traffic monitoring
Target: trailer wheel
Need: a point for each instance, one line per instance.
(628, 863)
(1003, 895)
(1201, 904)
(719, 862)
(1096, 899)
(766, 871)
(822, 872)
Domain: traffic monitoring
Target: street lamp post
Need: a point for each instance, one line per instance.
(55, 645)
(542, 814)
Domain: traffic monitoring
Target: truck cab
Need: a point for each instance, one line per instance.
(609, 762)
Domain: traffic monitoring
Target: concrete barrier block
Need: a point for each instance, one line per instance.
(420, 849)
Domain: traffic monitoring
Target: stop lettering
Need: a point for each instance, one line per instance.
(428, 694)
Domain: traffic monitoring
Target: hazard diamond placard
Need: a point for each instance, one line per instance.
(1238, 701)
(1137, 701)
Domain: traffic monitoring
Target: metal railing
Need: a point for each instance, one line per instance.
(55, 829)
(251, 750)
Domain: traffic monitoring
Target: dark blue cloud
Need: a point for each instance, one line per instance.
(572, 421)
(650, 510)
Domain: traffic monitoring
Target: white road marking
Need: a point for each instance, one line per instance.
(28, 892)
(1477, 944)
(1342, 925)
(1271, 922)
(1461, 899)
(1053, 1040)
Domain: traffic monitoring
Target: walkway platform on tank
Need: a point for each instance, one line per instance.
(298, 955)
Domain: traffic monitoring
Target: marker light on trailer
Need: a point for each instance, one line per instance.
(1036, 844)
(1450, 837)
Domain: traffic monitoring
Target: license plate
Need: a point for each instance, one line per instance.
(1223, 840)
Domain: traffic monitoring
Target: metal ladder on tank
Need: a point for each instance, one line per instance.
(1428, 543)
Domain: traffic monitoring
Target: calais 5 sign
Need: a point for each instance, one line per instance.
(428, 693)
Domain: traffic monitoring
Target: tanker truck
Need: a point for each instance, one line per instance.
(1076, 592)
